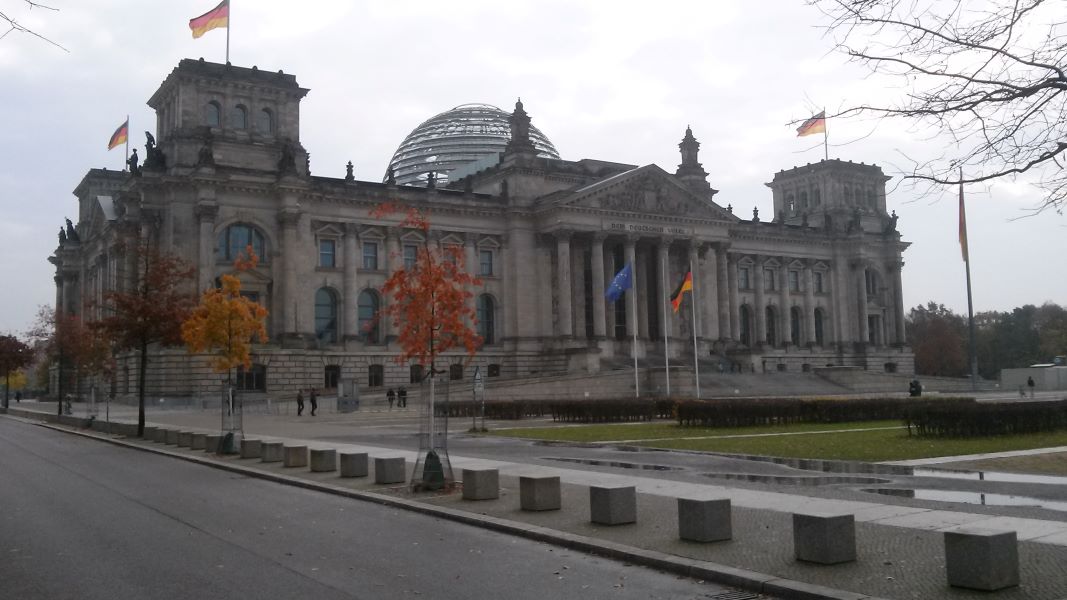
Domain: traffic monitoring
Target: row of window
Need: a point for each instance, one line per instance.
(771, 325)
(254, 379)
(770, 280)
(368, 303)
(238, 118)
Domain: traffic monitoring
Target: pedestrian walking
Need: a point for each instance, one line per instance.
(18, 397)
(402, 398)
(314, 401)
(390, 396)
(1030, 384)
(299, 402)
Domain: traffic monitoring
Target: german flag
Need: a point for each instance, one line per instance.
(685, 286)
(119, 137)
(963, 223)
(816, 124)
(212, 19)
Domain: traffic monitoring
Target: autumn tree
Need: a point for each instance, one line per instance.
(225, 323)
(150, 311)
(991, 75)
(937, 336)
(14, 355)
(430, 308)
(73, 346)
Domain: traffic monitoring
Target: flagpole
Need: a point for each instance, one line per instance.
(825, 129)
(970, 305)
(229, 21)
(696, 355)
(666, 346)
(127, 141)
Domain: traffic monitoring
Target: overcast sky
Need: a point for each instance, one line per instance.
(616, 81)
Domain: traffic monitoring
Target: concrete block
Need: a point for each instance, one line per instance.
(185, 439)
(172, 437)
(149, 433)
(354, 464)
(323, 461)
(982, 559)
(212, 442)
(390, 469)
(198, 441)
(251, 448)
(294, 456)
(539, 492)
(271, 452)
(481, 484)
(827, 539)
(704, 520)
(160, 435)
(613, 505)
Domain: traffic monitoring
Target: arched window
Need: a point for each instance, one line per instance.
(772, 324)
(236, 238)
(819, 335)
(265, 122)
(790, 204)
(368, 308)
(326, 315)
(487, 319)
(794, 325)
(746, 325)
(212, 114)
(239, 117)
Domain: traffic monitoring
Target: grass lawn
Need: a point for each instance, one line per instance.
(877, 445)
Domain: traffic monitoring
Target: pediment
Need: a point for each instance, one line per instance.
(645, 190)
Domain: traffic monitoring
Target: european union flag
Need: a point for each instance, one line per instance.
(623, 281)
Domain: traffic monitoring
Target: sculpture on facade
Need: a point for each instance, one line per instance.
(390, 177)
(132, 162)
(755, 214)
(72, 234)
(349, 175)
(287, 163)
(431, 180)
(153, 155)
(205, 157)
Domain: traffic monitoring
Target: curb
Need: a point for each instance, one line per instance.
(702, 570)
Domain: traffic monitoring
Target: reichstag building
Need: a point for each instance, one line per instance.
(816, 283)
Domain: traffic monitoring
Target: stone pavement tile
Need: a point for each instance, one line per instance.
(877, 512)
(933, 520)
(1056, 539)
(1025, 529)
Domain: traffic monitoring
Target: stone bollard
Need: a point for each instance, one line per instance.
(271, 452)
(323, 461)
(251, 448)
(172, 437)
(212, 442)
(390, 469)
(185, 439)
(295, 456)
(827, 539)
(982, 559)
(198, 441)
(613, 504)
(149, 433)
(160, 435)
(481, 484)
(354, 464)
(539, 492)
(704, 520)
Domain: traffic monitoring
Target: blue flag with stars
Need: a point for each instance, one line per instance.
(623, 281)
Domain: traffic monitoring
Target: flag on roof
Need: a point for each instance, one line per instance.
(121, 134)
(212, 19)
(816, 124)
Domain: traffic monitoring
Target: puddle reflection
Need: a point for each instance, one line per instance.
(970, 498)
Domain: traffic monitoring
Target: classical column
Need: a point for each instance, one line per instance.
(842, 310)
(472, 267)
(563, 283)
(545, 286)
(898, 304)
(393, 260)
(726, 307)
(599, 304)
(578, 290)
(288, 219)
(735, 298)
(861, 293)
(350, 302)
(761, 306)
(709, 294)
(641, 290)
(205, 264)
(698, 294)
(809, 306)
(631, 309)
(663, 266)
(785, 314)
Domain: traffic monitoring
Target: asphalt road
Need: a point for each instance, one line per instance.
(87, 520)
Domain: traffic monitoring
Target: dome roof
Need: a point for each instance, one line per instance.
(463, 135)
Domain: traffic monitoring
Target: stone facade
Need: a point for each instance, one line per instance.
(816, 284)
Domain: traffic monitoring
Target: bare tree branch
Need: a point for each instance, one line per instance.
(14, 25)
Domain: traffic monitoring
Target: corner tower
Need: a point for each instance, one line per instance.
(832, 193)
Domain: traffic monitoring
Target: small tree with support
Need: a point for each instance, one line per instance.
(225, 324)
(431, 310)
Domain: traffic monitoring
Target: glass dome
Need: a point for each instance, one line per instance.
(454, 138)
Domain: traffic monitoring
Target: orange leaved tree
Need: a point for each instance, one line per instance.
(225, 324)
(429, 305)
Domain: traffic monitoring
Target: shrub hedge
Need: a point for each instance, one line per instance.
(752, 412)
(494, 409)
(976, 420)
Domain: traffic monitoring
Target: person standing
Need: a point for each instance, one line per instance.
(314, 401)
(390, 396)
(402, 398)
(1030, 384)
(299, 402)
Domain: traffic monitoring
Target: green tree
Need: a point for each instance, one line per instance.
(937, 336)
(14, 355)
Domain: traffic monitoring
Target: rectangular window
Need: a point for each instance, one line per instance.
(415, 374)
(794, 281)
(769, 280)
(327, 253)
(742, 278)
(375, 375)
(411, 256)
(485, 263)
(818, 283)
(252, 380)
(455, 372)
(333, 376)
(370, 256)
